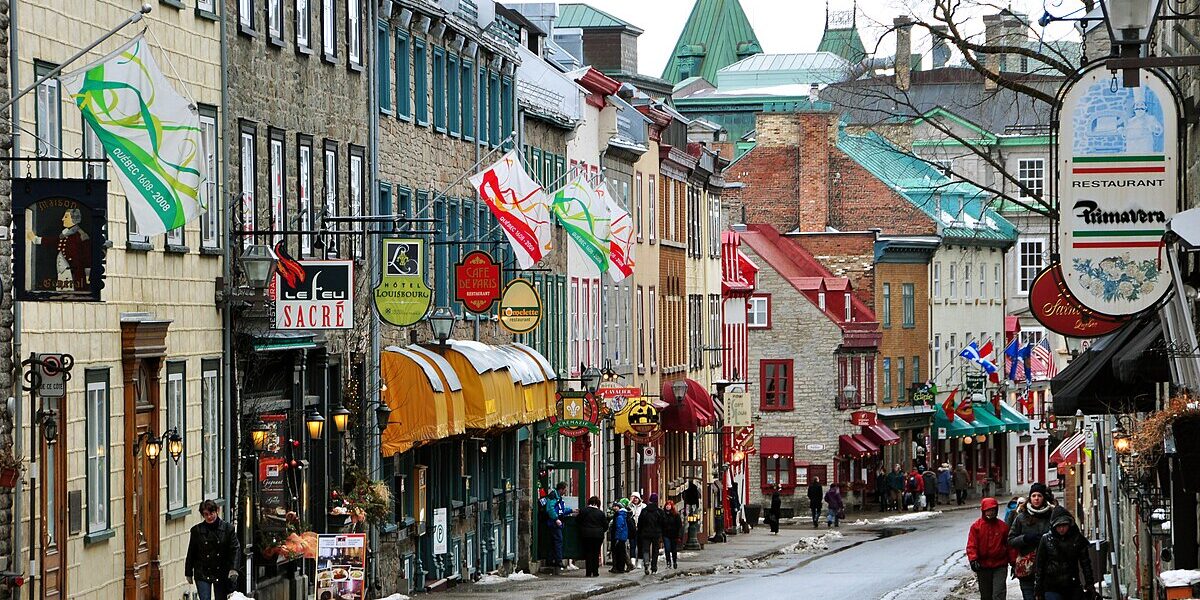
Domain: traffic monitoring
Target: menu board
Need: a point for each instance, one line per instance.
(342, 566)
(274, 493)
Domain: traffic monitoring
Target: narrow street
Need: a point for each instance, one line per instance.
(926, 562)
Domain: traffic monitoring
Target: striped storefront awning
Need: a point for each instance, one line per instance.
(1068, 452)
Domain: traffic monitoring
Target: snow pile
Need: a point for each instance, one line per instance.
(239, 596)
(397, 597)
(522, 576)
(813, 544)
(492, 578)
(571, 567)
(903, 518)
(1179, 578)
(686, 554)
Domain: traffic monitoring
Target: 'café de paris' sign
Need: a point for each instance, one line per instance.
(1118, 163)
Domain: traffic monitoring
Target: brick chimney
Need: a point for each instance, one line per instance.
(903, 26)
(786, 176)
(940, 50)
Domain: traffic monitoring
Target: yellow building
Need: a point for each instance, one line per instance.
(110, 521)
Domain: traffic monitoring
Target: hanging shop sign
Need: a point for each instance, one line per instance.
(737, 409)
(342, 566)
(402, 296)
(477, 282)
(313, 294)
(577, 414)
(616, 397)
(1118, 164)
(1055, 307)
(923, 395)
(639, 421)
(61, 226)
(976, 383)
(53, 371)
(863, 418)
(520, 307)
(275, 495)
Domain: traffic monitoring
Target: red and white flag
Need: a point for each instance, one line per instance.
(520, 205)
(1042, 360)
(621, 239)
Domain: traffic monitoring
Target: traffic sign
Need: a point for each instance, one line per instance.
(52, 375)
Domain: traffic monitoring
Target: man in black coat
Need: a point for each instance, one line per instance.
(815, 494)
(212, 555)
(593, 524)
(650, 532)
(1062, 555)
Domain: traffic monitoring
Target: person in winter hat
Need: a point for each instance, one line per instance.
(815, 494)
(833, 501)
(1062, 555)
(895, 481)
(914, 490)
(1026, 533)
(775, 511)
(672, 534)
(650, 533)
(962, 480)
(988, 552)
(930, 481)
(618, 537)
(635, 510)
(556, 510)
(945, 483)
(593, 524)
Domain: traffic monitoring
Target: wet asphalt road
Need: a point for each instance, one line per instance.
(925, 563)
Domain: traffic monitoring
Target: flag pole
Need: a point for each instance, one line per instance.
(130, 20)
(467, 173)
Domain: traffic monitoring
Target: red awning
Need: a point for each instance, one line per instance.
(783, 446)
(851, 447)
(881, 434)
(865, 442)
(1012, 326)
(1067, 453)
(696, 409)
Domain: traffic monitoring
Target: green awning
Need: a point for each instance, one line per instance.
(1013, 420)
(985, 418)
(954, 429)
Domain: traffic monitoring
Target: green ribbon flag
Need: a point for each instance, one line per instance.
(149, 131)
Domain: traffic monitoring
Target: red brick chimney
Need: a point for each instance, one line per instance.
(786, 175)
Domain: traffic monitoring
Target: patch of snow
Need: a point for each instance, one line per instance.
(571, 567)
(1179, 578)
(239, 596)
(491, 579)
(522, 576)
(687, 554)
(813, 544)
(913, 516)
(397, 597)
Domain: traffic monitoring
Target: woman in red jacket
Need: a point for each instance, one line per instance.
(988, 552)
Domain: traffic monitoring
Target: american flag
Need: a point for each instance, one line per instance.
(1042, 361)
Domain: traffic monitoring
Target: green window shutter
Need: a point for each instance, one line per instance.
(439, 89)
(441, 297)
(483, 106)
(403, 84)
(537, 167)
(421, 79)
(384, 62)
(454, 223)
(506, 111)
(452, 94)
(466, 78)
(494, 136)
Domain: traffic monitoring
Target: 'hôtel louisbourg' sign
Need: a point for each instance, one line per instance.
(1118, 162)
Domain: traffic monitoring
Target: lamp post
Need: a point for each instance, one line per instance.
(591, 379)
(315, 422)
(850, 394)
(258, 262)
(441, 324)
(174, 444)
(1130, 27)
(341, 418)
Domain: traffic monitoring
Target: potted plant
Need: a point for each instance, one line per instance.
(339, 513)
(11, 466)
(366, 500)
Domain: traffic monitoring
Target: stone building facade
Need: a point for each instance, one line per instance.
(147, 360)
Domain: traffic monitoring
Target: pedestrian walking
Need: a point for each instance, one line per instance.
(1062, 555)
(815, 493)
(881, 489)
(962, 479)
(556, 510)
(593, 524)
(618, 538)
(930, 482)
(895, 487)
(1010, 511)
(672, 534)
(1025, 534)
(774, 512)
(650, 533)
(834, 506)
(988, 551)
(212, 555)
(945, 483)
(635, 510)
(914, 490)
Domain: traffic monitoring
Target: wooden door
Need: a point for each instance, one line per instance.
(141, 484)
(52, 471)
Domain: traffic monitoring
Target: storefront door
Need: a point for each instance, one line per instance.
(52, 473)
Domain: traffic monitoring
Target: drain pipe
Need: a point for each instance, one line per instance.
(18, 402)
(372, 193)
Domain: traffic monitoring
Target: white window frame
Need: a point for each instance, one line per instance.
(1026, 273)
(208, 6)
(937, 353)
(329, 28)
(354, 30)
(653, 210)
(641, 328)
(210, 223)
(1031, 173)
(98, 447)
(996, 279)
(134, 235)
(278, 208)
(356, 200)
(275, 19)
(653, 330)
(968, 285)
(821, 301)
(937, 279)
(211, 409)
(758, 312)
(175, 236)
(303, 24)
(248, 161)
(92, 148)
(953, 281)
(176, 400)
(304, 195)
(49, 126)
(982, 280)
(246, 13)
(330, 206)
(849, 312)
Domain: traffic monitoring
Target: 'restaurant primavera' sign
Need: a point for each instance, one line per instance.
(1118, 162)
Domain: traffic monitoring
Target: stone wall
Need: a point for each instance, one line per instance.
(7, 550)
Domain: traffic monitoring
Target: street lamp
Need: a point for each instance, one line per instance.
(153, 447)
(259, 262)
(441, 323)
(591, 379)
(174, 444)
(341, 418)
(680, 388)
(383, 415)
(1130, 22)
(1121, 440)
(315, 423)
(258, 435)
(849, 393)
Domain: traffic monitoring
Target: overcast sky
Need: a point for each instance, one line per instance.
(796, 25)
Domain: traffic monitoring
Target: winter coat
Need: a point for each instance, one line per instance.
(962, 479)
(592, 523)
(945, 479)
(555, 507)
(1061, 558)
(930, 481)
(915, 484)
(895, 481)
(650, 524)
(814, 495)
(987, 541)
(1027, 529)
(619, 530)
(212, 552)
(776, 502)
(636, 511)
(833, 498)
(672, 525)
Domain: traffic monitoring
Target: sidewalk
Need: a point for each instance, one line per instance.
(743, 551)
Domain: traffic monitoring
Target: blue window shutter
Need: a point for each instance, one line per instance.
(441, 277)
(421, 77)
(385, 67)
(494, 136)
(403, 74)
(452, 93)
(506, 111)
(483, 106)
(439, 89)
(468, 99)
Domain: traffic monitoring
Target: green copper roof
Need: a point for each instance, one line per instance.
(843, 42)
(586, 17)
(717, 34)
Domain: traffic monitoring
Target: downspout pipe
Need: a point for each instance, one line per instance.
(18, 405)
(372, 193)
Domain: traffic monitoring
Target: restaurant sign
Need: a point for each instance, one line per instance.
(639, 421)
(342, 566)
(477, 282)
(1053, 305)
(520, 307)
(1118, 163)
(863, 418)
(737, 409)
(402, 296)
(313, 294)
(59, 233)
(577, 414)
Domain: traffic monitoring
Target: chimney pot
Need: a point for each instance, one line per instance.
(903, 58)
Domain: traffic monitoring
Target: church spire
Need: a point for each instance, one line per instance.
(717, 34)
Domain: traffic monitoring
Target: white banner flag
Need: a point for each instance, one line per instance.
(583, 212)
(621, 238)
(521, 206)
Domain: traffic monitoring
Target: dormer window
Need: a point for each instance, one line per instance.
(821, 301)
(848, 315)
